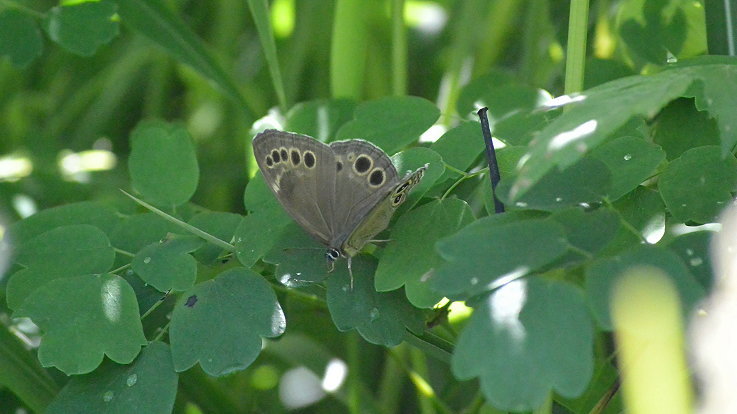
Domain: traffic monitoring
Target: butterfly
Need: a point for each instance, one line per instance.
(342, 194)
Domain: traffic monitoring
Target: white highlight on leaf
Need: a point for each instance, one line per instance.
(505, 304)
(568, 137)
(110, 296)
(563, 100)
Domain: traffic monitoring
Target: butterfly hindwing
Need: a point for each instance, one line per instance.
(364, 176)
(300, 172)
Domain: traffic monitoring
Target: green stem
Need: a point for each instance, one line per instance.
(348, 49)
(399, 49)
(576, 51)
(188, 227)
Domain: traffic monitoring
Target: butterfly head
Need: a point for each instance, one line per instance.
(331, 255)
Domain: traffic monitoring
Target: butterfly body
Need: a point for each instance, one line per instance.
(342, 194)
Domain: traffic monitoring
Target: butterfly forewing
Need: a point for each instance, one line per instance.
(300, 172)
(364, 176)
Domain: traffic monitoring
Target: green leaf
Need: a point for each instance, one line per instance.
(62, 252)
(602, 275)
(84, 27)
(148, 385)
(472, 96)
(644, 211)
(699, 184)
(655, 30)
(320, 118)
(411, 253)
(163, 164)
(168, 265)
(503, 97)
(139, 230)
(586, 181)
(593, 117)
(680, 127)
(84, 318)
(460, 146)
(630, 160)
(85, 212)
(588, 231)
(258, 232)
(299, 258)
(219, 224)
(152, 19)
(219, 323)
(20, 38)
(528, 338)
(490, 250)
(391, 123)
(380, 318)
(693, 249)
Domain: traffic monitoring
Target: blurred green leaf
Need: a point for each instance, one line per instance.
(526, 339)
(380, 318)
(168, 265)
(490, 251)
(20, 38)
(602, 274)
(260, 13)
(320, 118)
(163, 164)
(391, 123)
(148, 385)
(219, 323)
(579, 225)
(630, 161)
(699, 184)
(460, 146)
(693, 249)
(411, 254)
(83, 319)
(82, 28)
(64, 252)
(155, 21)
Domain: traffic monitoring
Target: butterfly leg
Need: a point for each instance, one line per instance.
(350, 271)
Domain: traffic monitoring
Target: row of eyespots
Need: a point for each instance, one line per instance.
(401, 191)
(293, 156)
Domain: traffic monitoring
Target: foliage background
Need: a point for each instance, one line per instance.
(79, 90)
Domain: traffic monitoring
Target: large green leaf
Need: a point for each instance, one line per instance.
(380, 318)
(83, 319)
(598, 112)
(680, 127)
(526, 339)
(20, 38)
(693, 249)
(630, 160)
(699, 184)
(148, 385)
(65, 251)
(491, 250)
(84, 27)
(219, 323)
(219, 224)
(602, 275)
(85, 212)
(460, 146)
(411, 253)
(139, 230)
(163, 164)
(391, 123)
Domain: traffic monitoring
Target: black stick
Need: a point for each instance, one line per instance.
(491, 157)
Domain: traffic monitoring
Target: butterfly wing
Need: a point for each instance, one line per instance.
(379, 217)
(364, 176)
(301, 173)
